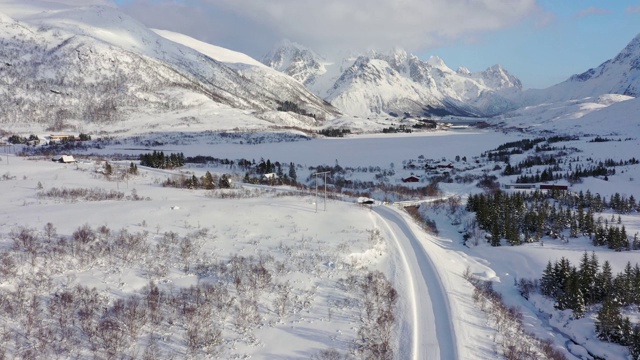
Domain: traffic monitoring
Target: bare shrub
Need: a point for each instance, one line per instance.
(49, 231)
(378, 301)
(84, 234)
(96, 194)
(202, 340)
(329, 354)
(515, 343)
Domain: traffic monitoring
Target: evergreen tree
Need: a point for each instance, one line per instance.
(108, 170)
(609, 322)
(634, 343)
(548, 282)
(224, 182)
(588, 272)
(207, 181)
(292, 172)
(133, 169)
(605, 281)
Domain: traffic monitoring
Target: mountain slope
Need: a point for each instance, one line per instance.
(92, 64)
(377, 84)
(620, 75)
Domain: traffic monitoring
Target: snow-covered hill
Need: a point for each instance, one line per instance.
(620, 75)
(94, 64)
(377, 84)
(599, 115)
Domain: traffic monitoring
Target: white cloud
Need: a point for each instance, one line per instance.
(592, 10)
(348, 24)
(632, 10)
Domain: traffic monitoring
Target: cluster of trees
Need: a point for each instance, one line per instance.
(293, 107)
(504, 151)
(527, 217)
(17, 139)
(425, 124)
(208, 181)
(399, 129)
(159, 160)
(333, 132)
(529, 162)
(588, 284)
(267, 167)
(599, 139)
(546, 175)
(613, 163)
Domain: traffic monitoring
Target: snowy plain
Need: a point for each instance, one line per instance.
(288, 228)
(310, 255)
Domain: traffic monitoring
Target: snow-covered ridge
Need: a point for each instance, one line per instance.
(107, 65)
(376, 84)
(217, 53)
(620, 75)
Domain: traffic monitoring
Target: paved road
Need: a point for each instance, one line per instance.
(432, 335)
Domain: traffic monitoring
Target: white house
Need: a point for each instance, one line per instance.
(66, 159)
(269, 176)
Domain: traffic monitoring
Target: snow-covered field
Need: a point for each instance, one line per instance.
(316, 261)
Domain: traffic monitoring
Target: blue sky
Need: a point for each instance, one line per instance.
(542, 42)
(579, 35)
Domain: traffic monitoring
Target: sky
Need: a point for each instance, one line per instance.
(542, 42)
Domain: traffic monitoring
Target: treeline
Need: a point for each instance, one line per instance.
(504, 151)
(399, 129)
(552, 173)
(208, 182)
(527, 217)
(159, 160)
(333, 132)
(529, 162)
(293, 107)
(588, 284)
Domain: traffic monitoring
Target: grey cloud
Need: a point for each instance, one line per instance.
(253, 26)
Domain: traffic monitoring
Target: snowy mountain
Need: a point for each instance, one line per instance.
(597, 101)
(620, 75)
(93, 64)
(377, 84)
(296, 61)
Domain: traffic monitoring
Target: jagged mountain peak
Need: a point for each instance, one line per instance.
(438, 63)
(498, 78)
(463, 71)
(296, 61)
(399, 82)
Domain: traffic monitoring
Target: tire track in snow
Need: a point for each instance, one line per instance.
(429, 300)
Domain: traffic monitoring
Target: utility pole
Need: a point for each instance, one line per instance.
(325, 188)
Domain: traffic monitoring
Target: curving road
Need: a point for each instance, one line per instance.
(429, 332)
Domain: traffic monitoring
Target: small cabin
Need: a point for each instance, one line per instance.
(411, 179)
(65, 159)
(269, 176)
